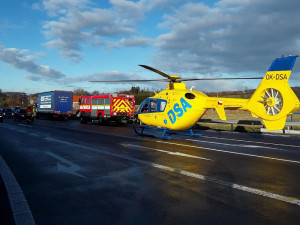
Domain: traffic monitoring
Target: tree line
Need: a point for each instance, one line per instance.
(10, 99)
(140, 94)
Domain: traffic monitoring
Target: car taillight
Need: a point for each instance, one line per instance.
(114, 113)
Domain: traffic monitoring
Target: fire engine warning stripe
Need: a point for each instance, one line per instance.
(121, 106)
(116, 101)
(186, 173)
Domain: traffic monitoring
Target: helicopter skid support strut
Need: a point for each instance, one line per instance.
(164, 132)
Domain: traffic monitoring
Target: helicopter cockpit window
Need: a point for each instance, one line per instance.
(153, 106)
(162, 106)
(144, 106)
(190, 96)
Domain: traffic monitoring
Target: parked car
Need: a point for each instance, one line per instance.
(14, 109)
(1, 116)
(20, 114)
(7, 112)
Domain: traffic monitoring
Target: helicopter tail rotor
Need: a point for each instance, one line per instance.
(273, 100)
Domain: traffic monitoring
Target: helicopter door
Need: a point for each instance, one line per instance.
(144, 108)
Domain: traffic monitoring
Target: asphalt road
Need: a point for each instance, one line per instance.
(72, 173)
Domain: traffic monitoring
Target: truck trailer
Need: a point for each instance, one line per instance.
(55, 104)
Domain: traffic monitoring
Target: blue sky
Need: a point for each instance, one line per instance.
(61, 44)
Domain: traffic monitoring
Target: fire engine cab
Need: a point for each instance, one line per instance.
(109, 107)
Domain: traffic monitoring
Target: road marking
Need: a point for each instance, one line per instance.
(229, 152)
(210, 149)
(72, 168)
(167, 152)
(186, 173)
(14, 128)
(19, 206)
(24, 125)
(256, 142)
(237, 145)
(139, 138)
(278, 134)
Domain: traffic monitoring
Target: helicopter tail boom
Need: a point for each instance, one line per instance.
(220, 104)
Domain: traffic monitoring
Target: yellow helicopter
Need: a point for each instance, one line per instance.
(178, 108)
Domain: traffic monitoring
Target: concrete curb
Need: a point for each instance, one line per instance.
(20, 208)
(264, 130)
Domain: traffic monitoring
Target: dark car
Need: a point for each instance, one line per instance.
(7, 113)
(14, 109)
(1, 116)
(20, 114)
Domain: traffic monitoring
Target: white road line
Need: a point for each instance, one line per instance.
(209, 137)
(256, 142)
(15, 129)
(138, 138)
(168, 152)
(229, 152)
(186, 173)
(19, 206)
(276, 135)
(210, 149)
(24, 125)
(237, 145)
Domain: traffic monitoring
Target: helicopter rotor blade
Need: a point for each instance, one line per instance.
(129, 81)
(179, 80)
(229, 78)
(157, 71)
(172, 78)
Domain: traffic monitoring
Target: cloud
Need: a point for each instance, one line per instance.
(78, 25)
(229, 37)
(131, 42)
(129, 12)
(107, 75)
(74, 23)
(58, 7)
(19, 60)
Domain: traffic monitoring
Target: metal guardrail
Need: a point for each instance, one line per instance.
(288, 124)
(293, 114)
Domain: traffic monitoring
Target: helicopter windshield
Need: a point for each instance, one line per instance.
(151, 105)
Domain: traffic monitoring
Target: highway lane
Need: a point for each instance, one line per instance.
(86, 174)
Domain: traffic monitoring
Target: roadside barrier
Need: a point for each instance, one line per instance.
(289, 124)
(292, 115)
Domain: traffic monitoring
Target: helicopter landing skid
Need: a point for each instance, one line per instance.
(146, 127)
(191, 133)
(164, 132)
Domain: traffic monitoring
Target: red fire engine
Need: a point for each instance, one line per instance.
(110, 107)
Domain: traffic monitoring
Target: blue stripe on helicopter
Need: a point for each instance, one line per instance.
(283, 64)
